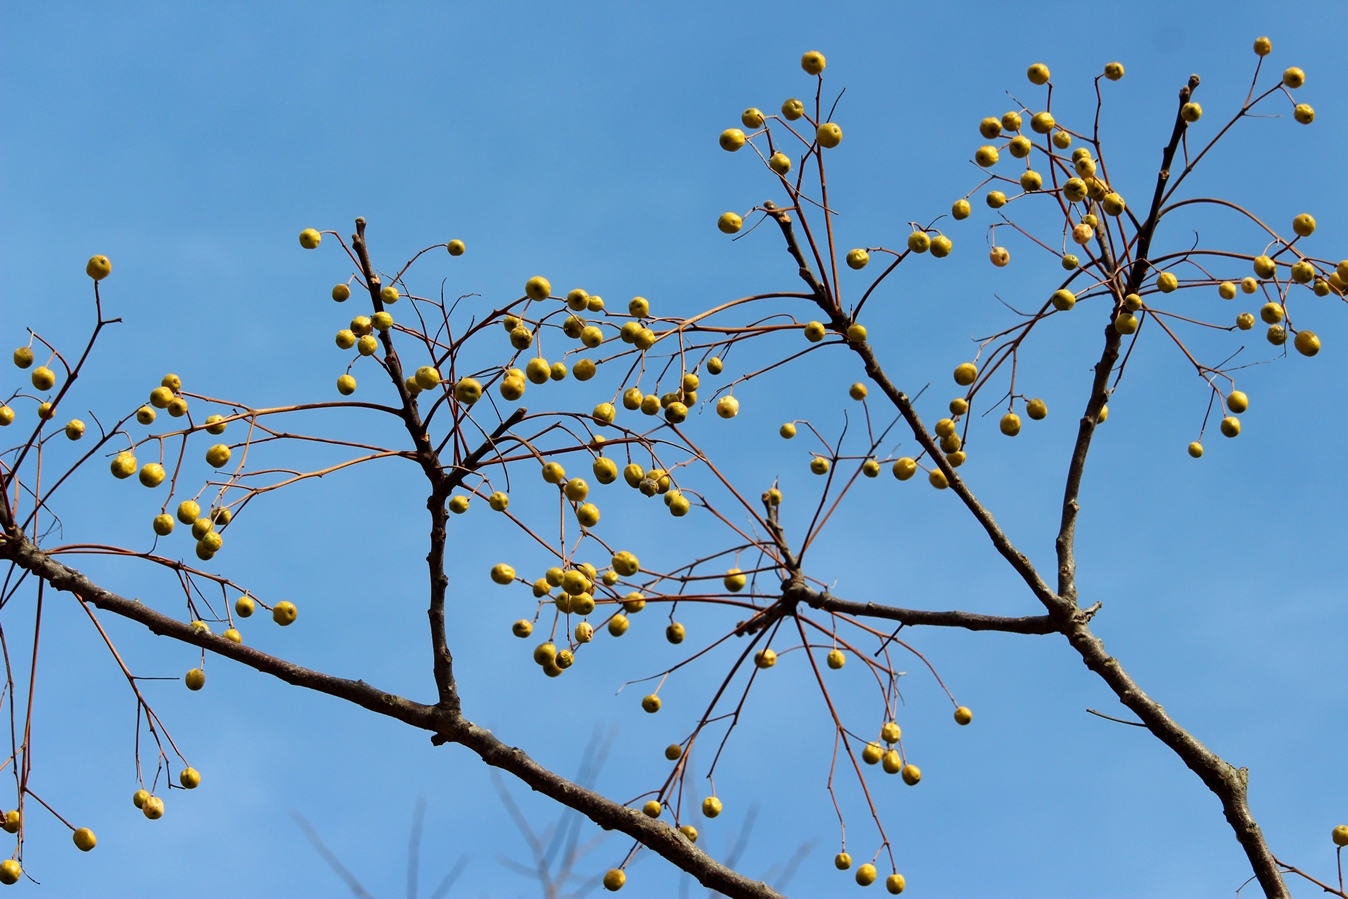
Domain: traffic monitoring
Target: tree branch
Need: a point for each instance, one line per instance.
(1029, 624)
(447, 725)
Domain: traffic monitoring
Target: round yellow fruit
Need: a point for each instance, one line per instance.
(792, 109)
(1293, 77)
(752, 117)
(966, 373)
(1237, 402)
(857, 259)
(904, 468)
(1303, 225)
(455, 247)
(10, 871)
(614, 879)
(960, 209)
(1230, 426)
(84, 839)
(1304, 113)
(1263, 46)
(1307, 343)
(780, 163)
(284, 613)
(98, 267)
(895, 883)
(963, 715)
(842, 861)
(218, 456)
(152, 474)
(911, 774)
(1063, 299)
(538, 288)
(812, 62)
(836, 659)
(1010, 424)
(732, 139)
(427, 377)
(866, 874)
(829, 135)
(999, 256)
(729, 223)
(190, 778)
(1196, 450)
(1340, 835)
(195, 679)
(711, 807)
(43, 378)
(1114, 71)
(1038, 73)
(1037, 409)
(153, 808)
(765, 658)
(650, 704)
(310, 238)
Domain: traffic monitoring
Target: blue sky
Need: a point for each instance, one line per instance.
(191, 143)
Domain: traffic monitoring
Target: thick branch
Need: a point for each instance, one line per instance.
(1028, 624)
(1099, 395)
(446, 725)
(1230, 784)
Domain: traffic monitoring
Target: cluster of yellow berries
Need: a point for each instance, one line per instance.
(827, 135)
(578, 585)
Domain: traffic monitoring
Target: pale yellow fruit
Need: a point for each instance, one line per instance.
(99, 267)
(829, 135)
(729, 223)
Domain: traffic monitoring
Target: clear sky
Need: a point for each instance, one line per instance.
(191, 143)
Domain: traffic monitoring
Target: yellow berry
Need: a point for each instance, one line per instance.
(732, 139)
(310, 238)
(1307, 343)
(538, 288)
(98, 267)
(829, 135)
